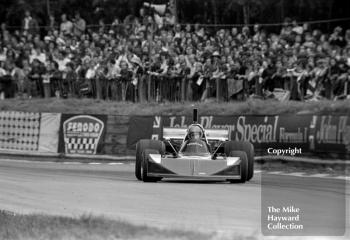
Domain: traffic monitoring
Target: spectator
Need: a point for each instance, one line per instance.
(35, 79)
(52, 23)
(140, 59)
(30, 25)
(20, 79)
(38, 54)
(79, 25)
(113, 74)
(125, 79)
(336, 38)
(70, 81)
(66, 26)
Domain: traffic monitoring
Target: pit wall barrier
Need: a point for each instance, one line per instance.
(84, 134)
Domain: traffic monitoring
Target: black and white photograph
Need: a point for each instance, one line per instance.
(174, 120)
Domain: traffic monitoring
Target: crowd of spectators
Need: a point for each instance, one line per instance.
(153, 58)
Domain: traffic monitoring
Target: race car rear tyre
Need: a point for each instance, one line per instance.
(243, 166)
(141, 146)
(246, 147)
(144, 166)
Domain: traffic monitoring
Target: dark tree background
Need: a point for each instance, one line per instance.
(201, 11)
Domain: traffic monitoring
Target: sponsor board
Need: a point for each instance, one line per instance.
(82, 134)
(261, 131)
(19, 131)
(140, 127)
(307, 132)
(330, 133)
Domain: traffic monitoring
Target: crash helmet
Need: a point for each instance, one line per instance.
(195, 132)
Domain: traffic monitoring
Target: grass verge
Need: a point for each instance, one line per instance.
(37, 226)
(91, 106)
(308, 168)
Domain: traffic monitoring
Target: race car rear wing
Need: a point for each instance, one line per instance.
(211, 134)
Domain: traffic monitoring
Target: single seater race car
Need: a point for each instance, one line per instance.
(194, 153)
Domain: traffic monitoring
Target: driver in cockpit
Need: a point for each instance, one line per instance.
(195, 144)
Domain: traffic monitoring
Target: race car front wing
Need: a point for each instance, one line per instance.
(228, 168)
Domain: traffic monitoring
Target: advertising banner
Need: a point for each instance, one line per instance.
(19, 131)
(49, 132)
(330, 133)
(262, 131)
(307, 132)
(140, 127)
(82, 134)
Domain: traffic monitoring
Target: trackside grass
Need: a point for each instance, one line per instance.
(37, 226)
(253, 106)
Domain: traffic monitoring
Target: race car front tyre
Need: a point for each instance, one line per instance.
(141, 146)
(243, 166)
(246, 147)
(144, 166)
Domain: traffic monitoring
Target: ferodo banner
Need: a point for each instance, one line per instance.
(82, 134)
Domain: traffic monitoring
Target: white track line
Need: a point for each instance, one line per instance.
(294, 174)
(301, 159)
(305, 175)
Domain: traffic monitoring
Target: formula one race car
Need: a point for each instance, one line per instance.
(194, 153)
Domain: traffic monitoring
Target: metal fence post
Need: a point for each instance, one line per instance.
(149, 85)
(183, 89)
(218, 92)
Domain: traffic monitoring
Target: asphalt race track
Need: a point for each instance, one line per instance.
(112, 191)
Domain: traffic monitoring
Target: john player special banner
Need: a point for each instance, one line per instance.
(311, 133)
(330, 133)
(82, 134)
(262, 131)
